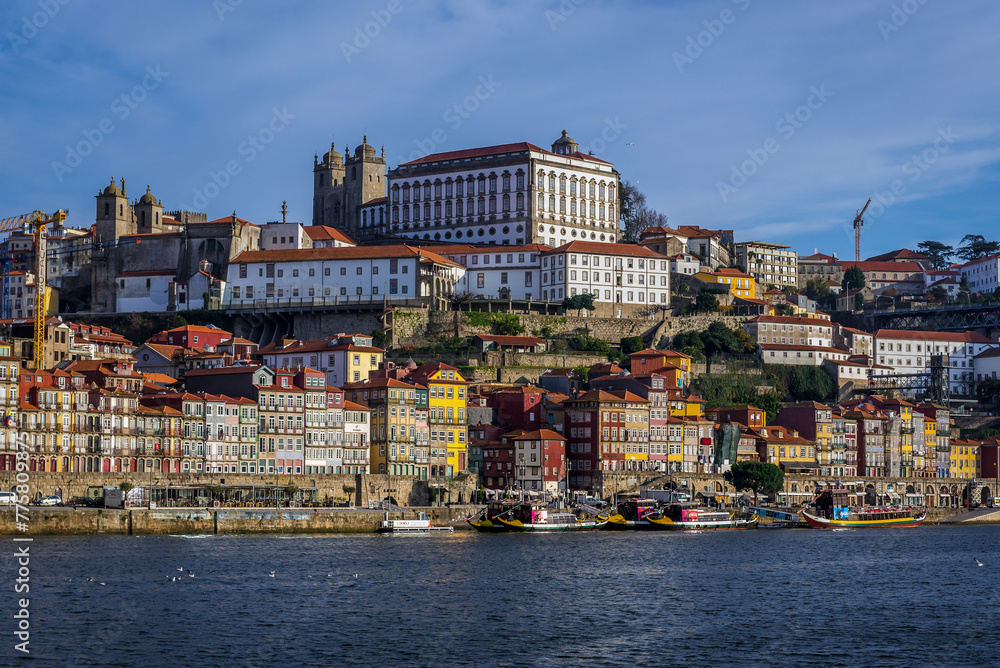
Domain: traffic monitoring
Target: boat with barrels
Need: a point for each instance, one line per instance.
(692, 516)
(536, 516)
(834, 512)
(632, 514)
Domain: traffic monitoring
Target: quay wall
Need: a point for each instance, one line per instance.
(141, 521)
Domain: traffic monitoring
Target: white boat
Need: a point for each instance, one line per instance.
(422, 525)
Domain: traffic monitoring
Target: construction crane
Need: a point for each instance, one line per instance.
(38, 221)
(858, 222)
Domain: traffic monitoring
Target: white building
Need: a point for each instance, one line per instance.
(777, 353)
(141, 291)
(684, 263)
(624, 278)
(511, 194)
(284, 236)
(769, 263)
(343, 358)
(983, 274)
(357, 438)
(987, 364)
(305, 278)
(909, 352)
(512, 272)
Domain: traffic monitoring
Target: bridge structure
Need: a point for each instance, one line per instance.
(954, 317)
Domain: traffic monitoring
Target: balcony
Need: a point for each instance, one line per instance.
(944, 432)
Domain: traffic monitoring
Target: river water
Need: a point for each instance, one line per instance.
(904, 597)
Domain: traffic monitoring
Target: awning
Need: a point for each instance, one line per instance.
(800, 466)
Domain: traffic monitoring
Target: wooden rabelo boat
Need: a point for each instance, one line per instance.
(833, 512)
(632, 514)
(536, 516)
(691, 516)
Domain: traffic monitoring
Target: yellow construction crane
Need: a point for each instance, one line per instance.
(858, 222)
(38, 222)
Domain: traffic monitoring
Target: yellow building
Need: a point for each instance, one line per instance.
(739, 284)
(964, 458)
(446, 409)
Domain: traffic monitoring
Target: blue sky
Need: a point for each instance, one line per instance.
(777, 120)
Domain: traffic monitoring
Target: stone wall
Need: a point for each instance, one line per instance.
(406, 491)
(140, 521)
(314, 326)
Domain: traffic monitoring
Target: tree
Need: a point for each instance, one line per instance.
(380, 339)
(859, 302)
(635, 215)
(582, 372)
(939, 294)
(756, 477)
(963, 290)
(579, 302)
(706, 301)
(854, 278)
(690, 343)
(719, 339)
(125, 486)
(632, 344)
(976, 246)
(817, 289)
(938, 254)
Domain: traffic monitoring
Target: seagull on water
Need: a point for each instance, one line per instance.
(978, 563)
(355, 576)
(271, 574)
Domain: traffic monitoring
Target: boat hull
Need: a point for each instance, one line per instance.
(487, 526)
(894, 523)
(619, 523)
(585, 525)
(667, 524)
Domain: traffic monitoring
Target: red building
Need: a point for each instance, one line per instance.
(519, 407)
(192, 336)
(539, 461)
(498, 463)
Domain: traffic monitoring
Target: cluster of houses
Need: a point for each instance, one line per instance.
(198, 399)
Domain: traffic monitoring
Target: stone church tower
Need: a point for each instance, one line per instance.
(114, 214)
(341, 186)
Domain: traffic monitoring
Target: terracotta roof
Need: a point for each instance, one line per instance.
(324, 233)
(964, 337)
(603, 248)
(819, 256)
(225, 370)
(321, 345)
(345, 253)
(500, 149)
(897, 267)
(903, 253)
(791, 320)
(351, 406)
(540, 434)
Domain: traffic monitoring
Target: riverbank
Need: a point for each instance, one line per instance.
(55, 521)
(52, 521)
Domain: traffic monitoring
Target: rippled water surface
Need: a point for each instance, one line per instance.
(755, 598)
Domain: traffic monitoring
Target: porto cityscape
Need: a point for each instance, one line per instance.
(561, 333)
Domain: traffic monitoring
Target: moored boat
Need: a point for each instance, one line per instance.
(833, 512)
(632, 514)
(486, 519)
(537, 517)
(421, 525)
(691, 516)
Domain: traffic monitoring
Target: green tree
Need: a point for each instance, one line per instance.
(380, 339)
(690, 343)
(632, 344)
(758, 477)
(938, 254)
(854, 278)
(975, 246)
(579, 302)
(963, 290)
(706, 301)
(719, 339)
(859, 302)
(582, 372)
(507, 324)
(939, 294)
(817, 289)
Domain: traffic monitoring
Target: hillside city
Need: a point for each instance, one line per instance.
(508, 314)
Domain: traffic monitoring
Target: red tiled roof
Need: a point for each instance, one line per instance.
(346, 253)
(324, 232)
(964, 337)
(897, 267)
(500, 149)
(598, 248)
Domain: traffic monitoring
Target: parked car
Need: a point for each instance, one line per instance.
(51, 500)
(82, 501)
(8, 498)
